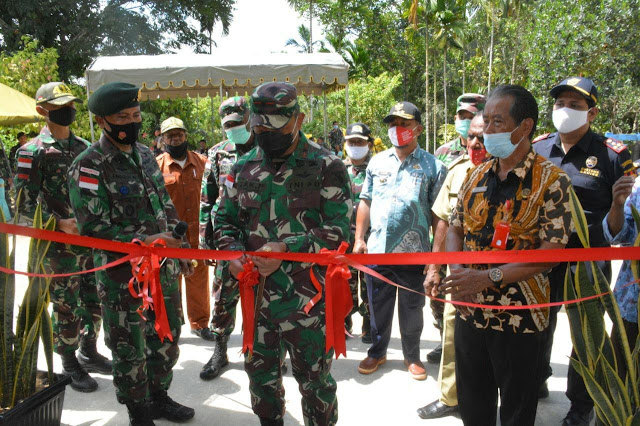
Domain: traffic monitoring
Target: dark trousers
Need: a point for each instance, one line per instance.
(382, 300)
(488, 361)
(576, 390)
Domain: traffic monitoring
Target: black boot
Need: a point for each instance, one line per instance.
(91, 360)
(366, 330)
(163, 406)
(348, 324)
(264, 421)
(80, 379)
(435, 355)
(219, 359)
(139, 414)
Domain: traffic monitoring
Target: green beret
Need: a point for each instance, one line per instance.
(113, 97)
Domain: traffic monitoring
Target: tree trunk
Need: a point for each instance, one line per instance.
(311, 26)
(426, 89)
(464, 71)
(435, 111)
(490, 54)
(444, 91)
(515, 49)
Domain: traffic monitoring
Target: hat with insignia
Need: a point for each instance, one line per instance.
(359, 131)
(405, 110)
(113, 97)
(582, 85)
(233, 109)
(172, 123)
(273, 104)
(55, 93)
(472, 102)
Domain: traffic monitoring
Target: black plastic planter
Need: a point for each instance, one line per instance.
(43, 408)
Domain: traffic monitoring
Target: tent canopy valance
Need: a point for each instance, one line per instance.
(16, 107)
(182, 75)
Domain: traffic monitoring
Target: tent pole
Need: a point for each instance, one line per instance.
(346, 96)
(324, 98)
(93, 138)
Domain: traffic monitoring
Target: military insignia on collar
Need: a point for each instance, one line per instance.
(591, 162)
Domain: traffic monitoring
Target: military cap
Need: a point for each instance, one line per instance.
(358, 130)
(582, 85)
(472, 102)
(55, 93)
(113, 97)
(405, 110)
(172, 123)
(273, 105)
(233, 109)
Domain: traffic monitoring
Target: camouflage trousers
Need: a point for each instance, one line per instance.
(223, 317)
(357, 280)
(305, 342)
(142, 363)
(76, 306)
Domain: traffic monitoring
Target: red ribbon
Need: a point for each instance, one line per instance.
(146, 279)
(248, 278)
(338, 300)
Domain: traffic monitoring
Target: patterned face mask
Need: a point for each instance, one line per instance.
(126, 134)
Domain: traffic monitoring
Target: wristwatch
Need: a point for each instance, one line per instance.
(496, 275)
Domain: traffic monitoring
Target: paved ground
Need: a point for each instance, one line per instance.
(386, 397)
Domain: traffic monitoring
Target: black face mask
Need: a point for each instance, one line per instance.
(177, 151)
(274, 144)
(63, 116)
(130, 131)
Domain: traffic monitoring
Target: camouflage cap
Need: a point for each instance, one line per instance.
(273, 105)
(233, 109)
(472, 102)
(55, 93)
(172, 123)
(113, 97)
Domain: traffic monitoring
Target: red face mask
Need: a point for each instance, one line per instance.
(400, 136)
(477, 155)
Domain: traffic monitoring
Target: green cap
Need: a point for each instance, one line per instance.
(55, 93)
(233, 109)
(471, 102)
(273, 105)
(113, 97)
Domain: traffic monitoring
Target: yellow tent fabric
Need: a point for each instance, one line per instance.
(16, 107)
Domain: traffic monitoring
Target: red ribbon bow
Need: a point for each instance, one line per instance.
(338, 300)
(146, 279)
(248, 278)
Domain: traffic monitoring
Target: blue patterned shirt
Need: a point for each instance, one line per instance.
(401, 195)
(626, 295)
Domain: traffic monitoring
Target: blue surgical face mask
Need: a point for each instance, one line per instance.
(239, 135)
(462, 127)
(499, 144)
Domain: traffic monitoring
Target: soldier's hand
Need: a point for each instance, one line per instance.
(168, 239)
(267, 266)
(431, 281)
(360, 247)
(186, 267)
(69, 226)
(622, 189)
(236, 266)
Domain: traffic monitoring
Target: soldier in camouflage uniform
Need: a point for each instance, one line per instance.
(358, 144)
(117, 193)
(286, 194)
(234, 115)
(41, 177)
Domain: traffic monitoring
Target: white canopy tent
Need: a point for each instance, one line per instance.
(180, 75)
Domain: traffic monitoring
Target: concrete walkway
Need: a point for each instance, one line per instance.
(387, 397)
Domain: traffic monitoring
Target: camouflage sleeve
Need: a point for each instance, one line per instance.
(91, 204)
(336, 210)
(227, 231)
(28, 182)
(208, 196)
(5, 168)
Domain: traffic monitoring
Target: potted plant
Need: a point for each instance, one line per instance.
(27, 396)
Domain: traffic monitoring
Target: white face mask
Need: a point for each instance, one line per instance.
(566, 120)
(356, 152)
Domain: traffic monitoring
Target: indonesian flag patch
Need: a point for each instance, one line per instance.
(88, 183)
(230, 180)
(24, 163)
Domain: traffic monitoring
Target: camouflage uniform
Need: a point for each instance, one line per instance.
(304, 201)
(43, 165)
(121, 196)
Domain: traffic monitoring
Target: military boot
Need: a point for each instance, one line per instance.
(163, 406)
(264, 421)
(80, 379)
(219, 359)
(366, 329)
(91, 360)
(139, 414)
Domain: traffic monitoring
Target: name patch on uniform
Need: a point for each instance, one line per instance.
(27, 153)
(479, 189)
(89, 171)
(296, 184)
(25, 163)
(590, 172)
(88, 183)
(249, 185)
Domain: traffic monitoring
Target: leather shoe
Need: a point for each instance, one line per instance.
(204, 333)
(434, 356)
(543, 391)
(370, 365)
(578, 417)
(416, 369)
(436, 409)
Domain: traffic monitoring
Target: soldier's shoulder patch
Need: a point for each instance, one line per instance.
(230, 180)
(615, 145)
(89, 171)
(87, 182)
(541, 137)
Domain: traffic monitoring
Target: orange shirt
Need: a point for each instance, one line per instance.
(183, 186)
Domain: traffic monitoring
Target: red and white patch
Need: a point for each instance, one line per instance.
(402, 135)
(89, 171)
(23, 176)
(24, 163)
(230, 181)
(88, 183)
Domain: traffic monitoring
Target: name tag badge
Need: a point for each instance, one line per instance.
(590, 172)
(500, 236)
(479, 189)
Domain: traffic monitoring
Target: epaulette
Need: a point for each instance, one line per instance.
(541, 137)
(615, 145)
